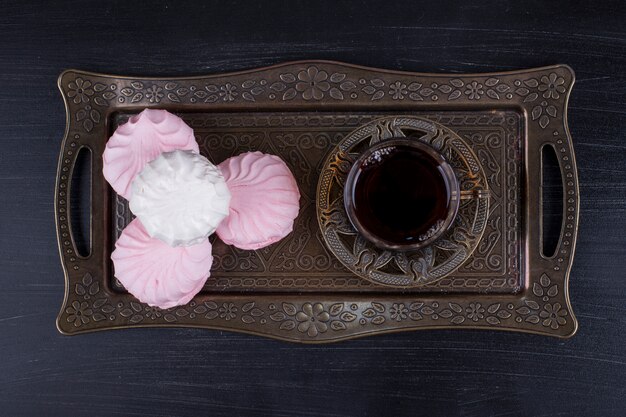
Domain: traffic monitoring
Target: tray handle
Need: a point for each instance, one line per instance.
(569, 180)
(70, 253)
(551, 175)
(560, 140)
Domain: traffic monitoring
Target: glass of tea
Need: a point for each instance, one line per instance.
(401, 194)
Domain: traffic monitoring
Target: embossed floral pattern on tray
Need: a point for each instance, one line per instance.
(312, 318)
(315, 84)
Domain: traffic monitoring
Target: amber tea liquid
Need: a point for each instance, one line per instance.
(400, 193)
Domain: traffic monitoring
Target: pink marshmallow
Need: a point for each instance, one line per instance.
(264, 200)
(137, 142)
(156, 273)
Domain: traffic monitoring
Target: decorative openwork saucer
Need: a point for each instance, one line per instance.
(400, 268)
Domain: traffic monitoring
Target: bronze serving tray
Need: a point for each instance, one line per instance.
(297, 289)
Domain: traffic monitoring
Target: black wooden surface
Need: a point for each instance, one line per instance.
(176, 372)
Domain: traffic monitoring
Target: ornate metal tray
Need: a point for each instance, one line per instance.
(297, 289)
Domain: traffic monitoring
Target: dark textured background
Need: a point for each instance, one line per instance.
(176, 372)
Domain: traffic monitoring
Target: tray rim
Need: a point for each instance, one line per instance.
(559, 279)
